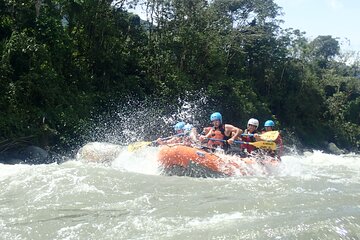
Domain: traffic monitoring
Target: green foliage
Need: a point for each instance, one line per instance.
(324, 47)
(63, 60)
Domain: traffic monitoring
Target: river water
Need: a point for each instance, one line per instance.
(313, 196)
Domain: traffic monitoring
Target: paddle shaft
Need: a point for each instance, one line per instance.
(167, 138)
(138, 145)
(236, 141)
(259, 144)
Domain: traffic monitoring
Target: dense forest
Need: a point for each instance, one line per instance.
(63, 61)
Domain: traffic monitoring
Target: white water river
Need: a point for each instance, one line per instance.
(314, 196)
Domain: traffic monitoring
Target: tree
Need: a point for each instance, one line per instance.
(323, 49)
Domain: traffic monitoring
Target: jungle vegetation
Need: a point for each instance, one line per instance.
(62, 60)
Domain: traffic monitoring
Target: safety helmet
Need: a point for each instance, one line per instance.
(216, 116)
(269, 123)
(188, 127)
(179, 126)
(254, 122)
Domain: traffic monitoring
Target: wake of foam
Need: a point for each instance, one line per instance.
(318, 163)
(144, 161)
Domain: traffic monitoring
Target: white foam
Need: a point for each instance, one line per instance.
(310, 165)
(141, 161)
(7, 171)
(144, 161)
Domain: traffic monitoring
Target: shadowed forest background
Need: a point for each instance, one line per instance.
(65, 61)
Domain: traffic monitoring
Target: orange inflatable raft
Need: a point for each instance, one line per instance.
(183, 160)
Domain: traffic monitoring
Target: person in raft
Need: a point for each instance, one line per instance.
(269, 125)
(221, 135)
(190, 135)
(184, 134)
(206, 130)
(252, 127)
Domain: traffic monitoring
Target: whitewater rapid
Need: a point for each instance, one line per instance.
(314, 196)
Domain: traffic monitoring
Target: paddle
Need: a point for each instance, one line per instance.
(137, 145)
(267, 136)
(259, 144)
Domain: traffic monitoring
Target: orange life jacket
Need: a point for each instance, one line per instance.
(218, 133)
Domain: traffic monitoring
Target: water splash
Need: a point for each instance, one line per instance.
(142, 161)
(317, 163)
(149, 119)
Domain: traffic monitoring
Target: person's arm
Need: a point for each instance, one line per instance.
(159, 141)
(202, 138)
(168, 141)
(193, 135)
(174, 140)
(234, 132)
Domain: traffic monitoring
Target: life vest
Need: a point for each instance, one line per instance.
(249, 148)
(218, 133)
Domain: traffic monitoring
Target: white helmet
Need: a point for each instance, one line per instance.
(254, 122)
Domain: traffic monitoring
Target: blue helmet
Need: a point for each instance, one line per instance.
(269, 123)
(216, 116)
(188, 127)
(179, 126)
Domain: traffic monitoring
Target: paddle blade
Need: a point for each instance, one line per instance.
(265, 145)
(135, 146)
(269, 136)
